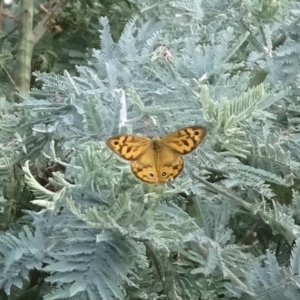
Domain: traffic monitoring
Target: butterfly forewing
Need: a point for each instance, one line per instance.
(185, 140)
(129, 147)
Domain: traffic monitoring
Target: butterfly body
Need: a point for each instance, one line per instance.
(157, 160)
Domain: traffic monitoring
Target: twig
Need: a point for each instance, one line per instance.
(42, 27)
(234, 279)
(228, 195)
(10, 78)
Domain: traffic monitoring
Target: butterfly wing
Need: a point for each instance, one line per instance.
(173, 146)
(157, 160)
(170, 164)
(185, 140)
(157, 166)
(145, 166)
(129, 147)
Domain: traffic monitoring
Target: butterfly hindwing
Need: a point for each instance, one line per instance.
(145, 167)
(170, 166)
(157, 167)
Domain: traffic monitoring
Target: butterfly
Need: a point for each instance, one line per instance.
(157, 160)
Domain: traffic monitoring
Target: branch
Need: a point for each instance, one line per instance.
(266, 217)
(24, 53)
(42, 27)
(228, 195)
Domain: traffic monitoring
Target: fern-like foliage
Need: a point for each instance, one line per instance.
(76, 215)
(271, 281)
